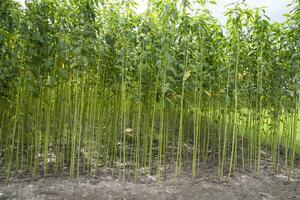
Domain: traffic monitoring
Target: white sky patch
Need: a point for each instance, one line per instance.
(275, 9)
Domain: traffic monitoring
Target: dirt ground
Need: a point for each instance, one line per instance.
(242, 186)
(102, 185)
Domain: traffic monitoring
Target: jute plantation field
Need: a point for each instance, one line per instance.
(96, 99)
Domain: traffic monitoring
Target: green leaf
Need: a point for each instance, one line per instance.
(4, 33)
(74, 64)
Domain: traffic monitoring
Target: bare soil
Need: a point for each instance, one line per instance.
(269, 185)
(241, 186)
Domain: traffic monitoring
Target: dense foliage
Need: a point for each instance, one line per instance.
(88, 85)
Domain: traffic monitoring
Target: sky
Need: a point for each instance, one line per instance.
(274, 8)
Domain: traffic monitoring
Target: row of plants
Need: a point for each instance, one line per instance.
(89, 85)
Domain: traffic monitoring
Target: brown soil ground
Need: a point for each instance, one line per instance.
(242, 186)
